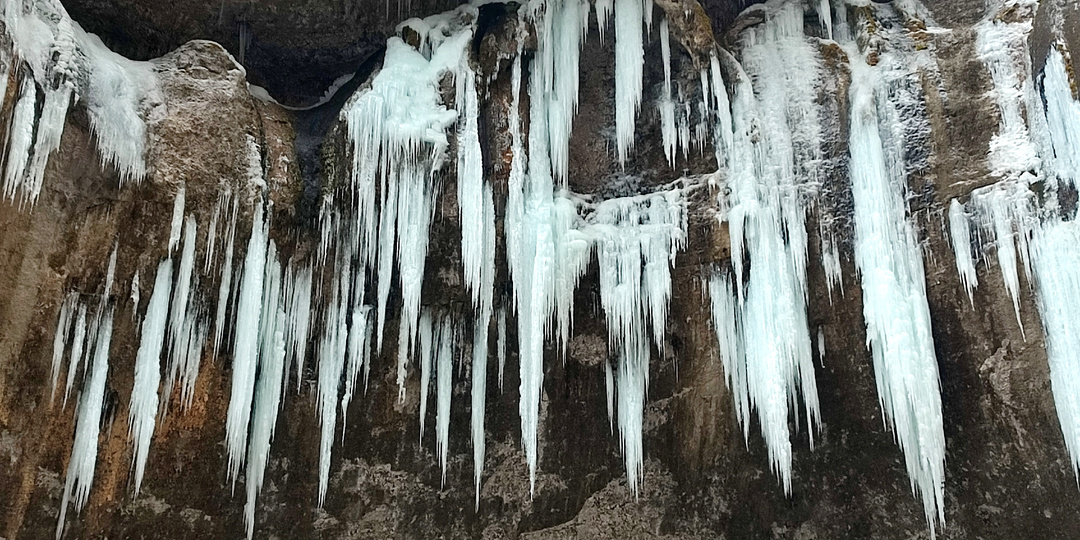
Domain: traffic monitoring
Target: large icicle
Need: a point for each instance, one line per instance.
(960, 235)
(444, 370)
(246, 345)
(80, 471)
(888, 256)
(776, 141)
(267, 398)
(144, 391)
(629, 72)
(637, 239)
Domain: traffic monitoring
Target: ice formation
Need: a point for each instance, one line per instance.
(80, 470)
(144, 393)
(889, 259)
(65, 66)
(760, 315)
(960, 235)
(637, 239)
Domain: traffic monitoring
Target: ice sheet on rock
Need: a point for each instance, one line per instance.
(1002, 46)
(1056, 263)
(1063, 117)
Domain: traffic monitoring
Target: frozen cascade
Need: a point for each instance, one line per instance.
(637, 239)
(960, 235)
(246, 344)
(761, 320)
(398, 131)
(144, 391)
(80, 471)
(888, 256)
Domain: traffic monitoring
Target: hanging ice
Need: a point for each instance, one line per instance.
(760, 318)
(80, 471)
(889, 259)
(637, 239)
(246, 345)
(629, 72)
(960, 235)
(144, 391)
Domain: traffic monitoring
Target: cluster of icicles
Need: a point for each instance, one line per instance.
(767, 134)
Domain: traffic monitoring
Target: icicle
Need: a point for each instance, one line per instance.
(830, 262)
(226, 282)
(21, 137)
(332, 352)
(356, 358)
(79, 342)
(428, 339)
(479, 394)
(569, 21)
(60, 338)
(629, 72)
(246, 345)
(443, 389)
(177, 219)
(666, 105)
(299, 320)
(637, 240)
(889, 259)
(135, 296)
(267, 402)
(960, 234)
(180, 312)
(500, 346)
(80, 471)
(603, 13)
(1005, 206)
(144, 391)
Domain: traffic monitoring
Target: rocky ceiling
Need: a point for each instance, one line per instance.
(294, 48)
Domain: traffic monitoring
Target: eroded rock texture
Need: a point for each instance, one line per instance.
(1008, 473)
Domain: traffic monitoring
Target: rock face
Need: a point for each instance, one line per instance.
(1007, 469)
